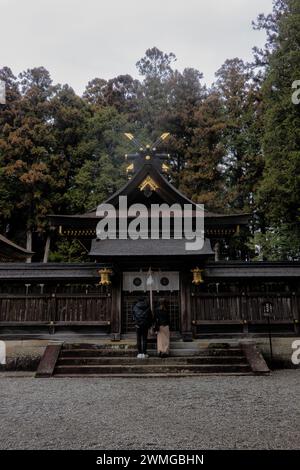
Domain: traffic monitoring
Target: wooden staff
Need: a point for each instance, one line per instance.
(150, 282)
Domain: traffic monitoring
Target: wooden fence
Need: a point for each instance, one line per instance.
(96, 308)
(58, 308)
(245, 313)
(250, 307)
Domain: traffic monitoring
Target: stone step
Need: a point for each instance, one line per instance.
(150, 369)
(108, 360)
(151, 345)
(155, 375)
(132, 352)
(97, 346)
(64, 361)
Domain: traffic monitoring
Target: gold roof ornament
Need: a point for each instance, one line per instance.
(148, 183)
(130, 167)
(129, 136)
(147, 152)
(165, 135)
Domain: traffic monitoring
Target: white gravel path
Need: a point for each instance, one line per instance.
(187, 413)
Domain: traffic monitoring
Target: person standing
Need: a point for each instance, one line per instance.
(162, 326)
(142, 317)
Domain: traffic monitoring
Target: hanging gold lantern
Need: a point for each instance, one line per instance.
(105, 274)
(197, 276)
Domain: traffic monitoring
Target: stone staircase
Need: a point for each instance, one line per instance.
(119, 360)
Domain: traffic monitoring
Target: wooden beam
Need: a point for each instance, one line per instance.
(185, 303)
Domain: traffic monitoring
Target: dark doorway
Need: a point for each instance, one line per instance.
(130, 298)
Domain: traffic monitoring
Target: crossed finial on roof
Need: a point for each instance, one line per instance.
(147, 154)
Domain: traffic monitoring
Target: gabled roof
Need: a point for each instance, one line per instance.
(164, 192)
(167, 192)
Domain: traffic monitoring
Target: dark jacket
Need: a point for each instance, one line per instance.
(161, 318)
(142, 313)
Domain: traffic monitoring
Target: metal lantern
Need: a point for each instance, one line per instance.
(105, 274)
(197, 276)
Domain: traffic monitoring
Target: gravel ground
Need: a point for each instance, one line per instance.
(186, 413)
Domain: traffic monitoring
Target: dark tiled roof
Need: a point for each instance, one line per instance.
(166, 191)
(278, 271)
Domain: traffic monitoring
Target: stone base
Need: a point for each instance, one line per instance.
(26, 354)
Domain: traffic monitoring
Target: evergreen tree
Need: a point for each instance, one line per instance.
(243, 162)
(30, 169)
(201, 177)
(279, 192)
(120, 92)
(101, 171)
(69, 118)
(186, 94)
(153, 95)
(8, 116)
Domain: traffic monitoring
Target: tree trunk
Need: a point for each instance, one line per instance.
(47, 249)
(28, 244)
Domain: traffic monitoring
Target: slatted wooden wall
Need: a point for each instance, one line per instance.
(250, 307)
(56, 308)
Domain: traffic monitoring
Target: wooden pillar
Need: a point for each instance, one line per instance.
(47, 249)
(116, 307)
(243, 299)
(185, 301)
(296, 312)
(28, 244)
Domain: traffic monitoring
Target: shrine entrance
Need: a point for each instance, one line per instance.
(165, 286)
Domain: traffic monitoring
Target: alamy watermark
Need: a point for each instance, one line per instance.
(141, 222)
(296, 93)
(2, 353)
(296, 353)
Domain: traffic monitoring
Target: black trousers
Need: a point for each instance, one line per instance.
(141, 339)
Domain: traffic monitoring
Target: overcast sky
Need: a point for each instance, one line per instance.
(77, 40)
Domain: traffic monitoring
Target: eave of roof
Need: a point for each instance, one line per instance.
(229, 270)
(12, 247)
(148, 247)
(253, 270)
